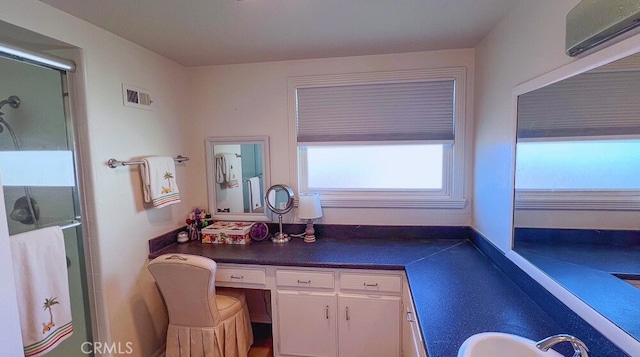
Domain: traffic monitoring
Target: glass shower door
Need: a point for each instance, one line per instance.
(37, 152)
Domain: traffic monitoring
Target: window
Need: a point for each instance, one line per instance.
(323, 162)
(383, 139)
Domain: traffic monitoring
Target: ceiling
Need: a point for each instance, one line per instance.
(211, 32)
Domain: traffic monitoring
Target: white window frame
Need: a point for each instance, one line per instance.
(578, 200)
(452, 194)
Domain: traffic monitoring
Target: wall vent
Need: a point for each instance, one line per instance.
(136, 97)
(593, 22)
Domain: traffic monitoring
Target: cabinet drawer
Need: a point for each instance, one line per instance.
(304, 279)
(371, 282)
(240, 275)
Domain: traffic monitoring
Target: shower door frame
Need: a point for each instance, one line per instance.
(72, 84)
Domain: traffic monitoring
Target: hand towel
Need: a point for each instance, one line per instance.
(40, 271)
(221, 164)
(254, 193)
(225, 171)
(159, 181)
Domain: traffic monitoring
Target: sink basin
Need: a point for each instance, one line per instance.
(491, 344)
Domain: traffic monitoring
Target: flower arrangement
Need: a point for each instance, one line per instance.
(197, 220)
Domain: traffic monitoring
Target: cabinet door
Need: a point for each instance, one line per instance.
(307, 323)
(369, 326)
(412, 345)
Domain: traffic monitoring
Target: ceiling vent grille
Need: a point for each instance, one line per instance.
(136, 97)
(593, 22)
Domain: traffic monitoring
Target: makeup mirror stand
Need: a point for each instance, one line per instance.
(279, 237)
(279, 199)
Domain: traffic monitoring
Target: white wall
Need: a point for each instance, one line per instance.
(251, 99)
(129, 307)
(526, 44)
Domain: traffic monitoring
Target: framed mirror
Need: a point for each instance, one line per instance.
(577, 184)
(237, 177)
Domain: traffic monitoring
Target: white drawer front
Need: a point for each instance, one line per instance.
(241, 275)
(304, 279)
(371, 282)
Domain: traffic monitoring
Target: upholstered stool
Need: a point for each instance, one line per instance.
(203, 321)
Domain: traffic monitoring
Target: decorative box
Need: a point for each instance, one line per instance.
(223, 232)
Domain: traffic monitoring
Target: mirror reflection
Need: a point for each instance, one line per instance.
(577, 188)
(237, 177)
(280, 200)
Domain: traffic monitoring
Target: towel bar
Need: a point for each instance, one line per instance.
(113, 163)
(64, 224)
(245, 181)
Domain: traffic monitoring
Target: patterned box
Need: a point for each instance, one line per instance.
(223, 232)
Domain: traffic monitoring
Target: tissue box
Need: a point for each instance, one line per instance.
(223, 232)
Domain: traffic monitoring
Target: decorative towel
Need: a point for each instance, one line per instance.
(254, 195)
(42, 286)
(159, 181)
(225, 173)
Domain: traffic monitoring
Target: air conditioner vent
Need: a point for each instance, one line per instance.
(136, 97)
(594, 22)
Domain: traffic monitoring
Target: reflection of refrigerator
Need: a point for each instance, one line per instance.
(11, 338)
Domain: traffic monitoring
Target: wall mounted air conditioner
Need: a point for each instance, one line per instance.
(593, 22)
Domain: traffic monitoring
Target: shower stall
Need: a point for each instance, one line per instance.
(39, 170)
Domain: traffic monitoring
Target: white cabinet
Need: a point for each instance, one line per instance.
(360, 318)
(368, 325)
(320, 312)
(307, 323)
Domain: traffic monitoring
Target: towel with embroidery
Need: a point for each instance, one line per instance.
(42, 289)
(159, 181)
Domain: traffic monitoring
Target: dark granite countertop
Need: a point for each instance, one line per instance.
(457, 291)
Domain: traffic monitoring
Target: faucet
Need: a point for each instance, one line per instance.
(579, 348)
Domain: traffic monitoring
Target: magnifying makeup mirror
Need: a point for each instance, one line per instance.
(279, 199)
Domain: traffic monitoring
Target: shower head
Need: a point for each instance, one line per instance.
(13, 102)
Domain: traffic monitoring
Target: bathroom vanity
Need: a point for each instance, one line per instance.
(330, 312)
(406, 296)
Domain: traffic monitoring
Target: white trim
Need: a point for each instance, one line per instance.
(607, 328)
(452, 195)
(412, 75)
(611, 200)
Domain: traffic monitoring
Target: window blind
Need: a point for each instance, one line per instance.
(590, 104)
(376, 112)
